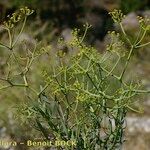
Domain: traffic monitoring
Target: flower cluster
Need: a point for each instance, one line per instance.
(144, 22)
(17, 16)
(117, 16)
(116, 45)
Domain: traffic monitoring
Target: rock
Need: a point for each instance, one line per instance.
(131, 22)
(26, 41)
(66, 34)
(27, 38)
(104, 4)
(93, 3)
(138, 124)
(100, 46)
(146, 13)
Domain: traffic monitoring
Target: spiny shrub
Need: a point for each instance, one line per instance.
(83, 97)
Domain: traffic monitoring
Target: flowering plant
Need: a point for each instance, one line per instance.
(84, 97)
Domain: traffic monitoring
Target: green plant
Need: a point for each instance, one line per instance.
(84, 97)
(134, 5)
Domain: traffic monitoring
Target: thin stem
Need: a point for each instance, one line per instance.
(33, 90)
(142, 45)
(25, 80)
(10, 38)
(141, 38)
(92, 81)
(5, 46)
(24, 22)
(98, 96)
(138, 111)
(15, 57)
(13, 85)
(138, 91)
(44, 88)
(127, 62)
(115, 65)
(6, 80)
(113, 75)
(124, 33)
(5, 87)
(138, 36)
(85, 32)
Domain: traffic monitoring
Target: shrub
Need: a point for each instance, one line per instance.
(83, 97)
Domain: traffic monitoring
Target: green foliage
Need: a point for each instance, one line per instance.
(84, 97)
(130, 6)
